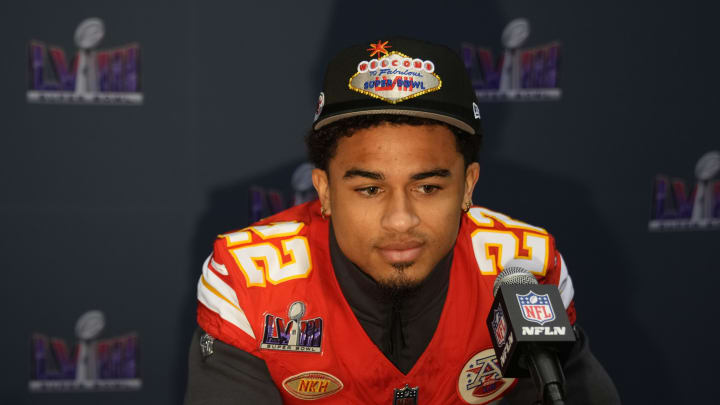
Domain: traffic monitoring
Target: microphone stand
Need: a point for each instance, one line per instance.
(547, 374)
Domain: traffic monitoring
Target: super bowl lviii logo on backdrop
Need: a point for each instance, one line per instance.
(93, 364)
(675, 206)
(92, 76)
(528, 74)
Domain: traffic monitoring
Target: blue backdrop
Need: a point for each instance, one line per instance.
(114, 207)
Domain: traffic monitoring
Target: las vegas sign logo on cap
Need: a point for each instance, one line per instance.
(536, 307)
(394, 76)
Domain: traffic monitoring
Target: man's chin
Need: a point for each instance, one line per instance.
(401, 280)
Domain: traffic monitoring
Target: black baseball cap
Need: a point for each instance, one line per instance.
(399, 76)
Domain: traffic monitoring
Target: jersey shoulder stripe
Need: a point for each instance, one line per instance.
(217, 296)
(499, 241)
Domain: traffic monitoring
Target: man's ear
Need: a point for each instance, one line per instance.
(322, 186)
(471, 177)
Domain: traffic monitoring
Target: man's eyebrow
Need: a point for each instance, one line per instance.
(431, 173)
(363, 173)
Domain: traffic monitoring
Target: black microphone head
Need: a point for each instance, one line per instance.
(513, 275)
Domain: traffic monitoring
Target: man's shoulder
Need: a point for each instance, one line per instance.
(274, 250)
(496, 241)
(258, 269)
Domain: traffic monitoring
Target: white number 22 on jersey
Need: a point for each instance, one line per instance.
(264, 261)
(498, 247)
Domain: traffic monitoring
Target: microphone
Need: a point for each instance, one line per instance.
(529, 328)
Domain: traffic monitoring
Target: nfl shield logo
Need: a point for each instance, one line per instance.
(499, 326)
(405, 396)
(536, 308)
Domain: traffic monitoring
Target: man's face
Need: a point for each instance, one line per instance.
(395, 194)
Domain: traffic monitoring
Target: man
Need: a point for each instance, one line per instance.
(377, 293)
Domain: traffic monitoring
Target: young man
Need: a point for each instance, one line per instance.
(378, 292)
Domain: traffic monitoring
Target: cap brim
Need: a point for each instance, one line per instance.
(414, 113)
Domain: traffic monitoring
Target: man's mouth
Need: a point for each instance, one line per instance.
(401, 251)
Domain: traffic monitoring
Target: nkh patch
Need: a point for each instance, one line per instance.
(312, 385)
(536, 307)
(481, 381)
(395, 77)
(294, 334)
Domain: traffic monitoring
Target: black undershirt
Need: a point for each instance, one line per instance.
(400, 323)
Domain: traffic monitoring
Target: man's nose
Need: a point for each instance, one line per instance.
(399, 215)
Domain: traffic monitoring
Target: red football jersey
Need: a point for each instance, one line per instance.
(271, 291)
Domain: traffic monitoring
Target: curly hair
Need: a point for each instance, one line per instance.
(322, 143)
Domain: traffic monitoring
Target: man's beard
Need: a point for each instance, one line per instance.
(398, 285)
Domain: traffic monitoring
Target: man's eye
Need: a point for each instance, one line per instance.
(368, 191)
(428, 188)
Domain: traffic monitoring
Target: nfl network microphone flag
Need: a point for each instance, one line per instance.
(525, 315)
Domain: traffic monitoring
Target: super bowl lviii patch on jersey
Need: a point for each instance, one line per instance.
(394, 76)
(293, 334)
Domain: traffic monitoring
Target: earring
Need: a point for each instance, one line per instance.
(322, 213)
(467, 207)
